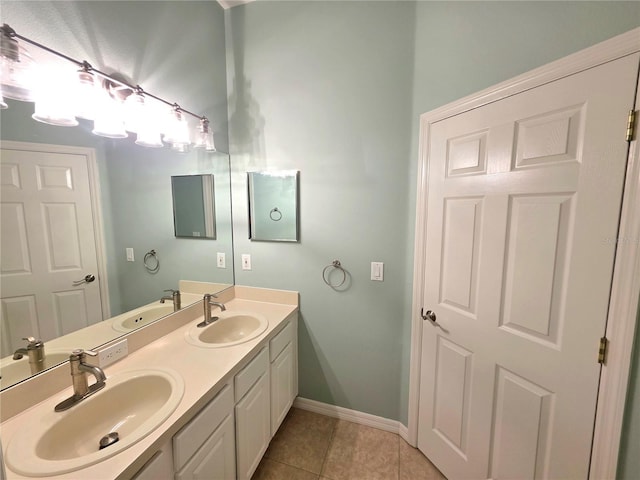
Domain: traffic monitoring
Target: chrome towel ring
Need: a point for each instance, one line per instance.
(326, 273)
(153, 264)
(275, 214)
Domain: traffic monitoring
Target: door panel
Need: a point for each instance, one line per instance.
(523, 194)
(46, 199)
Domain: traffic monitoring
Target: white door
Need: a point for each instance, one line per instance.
(523, 205)
(47, 246)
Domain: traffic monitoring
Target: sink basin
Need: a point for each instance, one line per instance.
(132, 404)
(141, 317)
(232, 328)
(14, 371)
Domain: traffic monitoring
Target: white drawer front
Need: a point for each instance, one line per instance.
(277, 343)
(252, 372)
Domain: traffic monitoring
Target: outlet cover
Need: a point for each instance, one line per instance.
(113, 353)
(222, 262)
(246, 261)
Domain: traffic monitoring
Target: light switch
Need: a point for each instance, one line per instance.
(222, 262)
(246, 261)
(129, 254)
(377, 271)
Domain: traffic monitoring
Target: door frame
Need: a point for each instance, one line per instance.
(623, 304)
(96, 204)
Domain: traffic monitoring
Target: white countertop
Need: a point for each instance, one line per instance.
(204, 370)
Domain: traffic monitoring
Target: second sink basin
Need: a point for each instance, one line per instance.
(133, 404)
(232, 328)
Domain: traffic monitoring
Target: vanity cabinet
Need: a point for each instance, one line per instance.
(253, 414)
(205, 447)
(284, 385)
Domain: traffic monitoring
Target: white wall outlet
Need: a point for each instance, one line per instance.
(246, 261)
(129, 254)
(113, 353)
(377, 271)
(222, 262)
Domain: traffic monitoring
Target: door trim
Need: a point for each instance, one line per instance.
(96, 204)
(626, 279)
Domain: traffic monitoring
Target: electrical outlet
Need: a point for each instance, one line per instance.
(246, 261)
(222, 263)
(112, 354)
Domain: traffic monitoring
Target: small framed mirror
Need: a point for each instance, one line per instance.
(273, 206)
(194, 206)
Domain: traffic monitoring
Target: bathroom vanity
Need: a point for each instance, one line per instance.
(205, 410)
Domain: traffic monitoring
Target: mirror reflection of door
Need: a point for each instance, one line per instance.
(273, 206)
(194, 206)
(48, 244)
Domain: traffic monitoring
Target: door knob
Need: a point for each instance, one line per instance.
(87, 279)
(428, 315)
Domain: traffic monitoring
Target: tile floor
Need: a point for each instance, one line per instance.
(309, 446)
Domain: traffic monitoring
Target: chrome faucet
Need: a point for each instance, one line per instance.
(207, 303)
(35, 352)
(79, 370)
(175, 298)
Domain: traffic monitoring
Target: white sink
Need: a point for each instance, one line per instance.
(14, 371)
(232, 328)
(141, 317)
(132, 404)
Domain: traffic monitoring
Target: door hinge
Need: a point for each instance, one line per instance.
(602, 351)
(631, 124)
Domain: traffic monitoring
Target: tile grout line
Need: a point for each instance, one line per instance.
(326, 452)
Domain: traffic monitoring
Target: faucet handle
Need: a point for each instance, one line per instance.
(172, 291)
(29, 339)
(79, 352)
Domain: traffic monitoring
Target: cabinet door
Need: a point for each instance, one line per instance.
(160, 467)
(215, 460)
(253, 427)
(282, 386)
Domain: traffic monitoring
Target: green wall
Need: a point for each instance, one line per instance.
(335, 89)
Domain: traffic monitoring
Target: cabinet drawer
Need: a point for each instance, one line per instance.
(252, 372)
(189, 439)
(277, 343)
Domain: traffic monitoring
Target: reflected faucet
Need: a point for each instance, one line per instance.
(175, 298)
(35, 352)
(207, 303)
(79, 370)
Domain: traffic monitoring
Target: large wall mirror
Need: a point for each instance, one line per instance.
(130, 203)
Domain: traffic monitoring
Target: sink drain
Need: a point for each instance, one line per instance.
(109, 440)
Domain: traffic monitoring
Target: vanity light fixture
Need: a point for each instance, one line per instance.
(115, 107)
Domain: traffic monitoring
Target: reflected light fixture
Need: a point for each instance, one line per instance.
(113, 105)
(17, 70)
(204, 136)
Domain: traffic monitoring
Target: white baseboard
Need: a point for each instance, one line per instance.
(354, 416)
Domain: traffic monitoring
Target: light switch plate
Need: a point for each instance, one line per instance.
(129, 254)
(246, 261)
(377, 271)
(221, 260)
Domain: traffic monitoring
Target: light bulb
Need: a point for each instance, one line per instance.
(86, 95)
(108, 122)
(53, 94)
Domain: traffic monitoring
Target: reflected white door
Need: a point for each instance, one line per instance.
(47, 246)
(523, 204)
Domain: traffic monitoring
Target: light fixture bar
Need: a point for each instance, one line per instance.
(11, 33)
